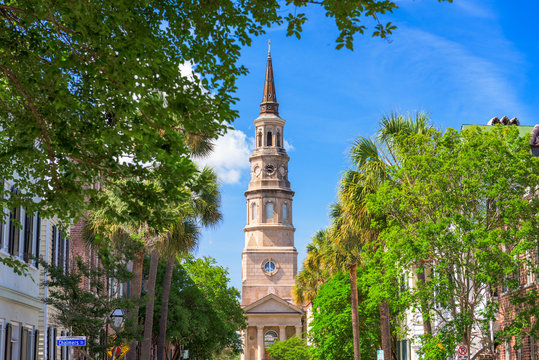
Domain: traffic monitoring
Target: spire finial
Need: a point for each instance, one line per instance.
(269, 103)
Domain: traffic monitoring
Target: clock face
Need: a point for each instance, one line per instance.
(282, 170)
(270, 169)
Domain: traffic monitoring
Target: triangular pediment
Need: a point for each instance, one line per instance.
(272, 304)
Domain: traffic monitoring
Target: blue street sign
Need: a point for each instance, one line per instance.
(71, 341)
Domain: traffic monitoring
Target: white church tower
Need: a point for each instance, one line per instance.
(269, 259)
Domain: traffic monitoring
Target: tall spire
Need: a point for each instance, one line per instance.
(269, 103)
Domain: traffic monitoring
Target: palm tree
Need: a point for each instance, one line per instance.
(201, 209)
(316, 268)
(349, 240)
(371, 161)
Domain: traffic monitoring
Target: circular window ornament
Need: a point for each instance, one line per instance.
(270, 267)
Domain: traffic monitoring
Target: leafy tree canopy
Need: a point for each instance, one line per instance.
(462, 208)
(292, 349)
(331, 328)
(93, 92)
(204, 312)
(85, 310)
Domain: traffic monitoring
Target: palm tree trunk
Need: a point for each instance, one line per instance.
(385, 329)
(164, 307)
(427, 327)
(148, 319)
(135, 290)
(355, 314)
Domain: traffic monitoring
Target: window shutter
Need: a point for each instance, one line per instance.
(7, 352)
(54, 344)
(53, 252)
(38, 237)
(36, 343)
(67, 256)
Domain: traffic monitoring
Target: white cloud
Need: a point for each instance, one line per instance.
(474, 9)
(230, 157)
(287, 146)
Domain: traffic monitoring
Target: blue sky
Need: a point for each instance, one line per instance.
(463, 63)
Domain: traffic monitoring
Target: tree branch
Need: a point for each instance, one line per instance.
(11, 76)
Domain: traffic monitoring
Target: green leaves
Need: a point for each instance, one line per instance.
(459, 206)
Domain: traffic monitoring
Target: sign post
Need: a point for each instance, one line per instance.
(462, 352)
(71, 341)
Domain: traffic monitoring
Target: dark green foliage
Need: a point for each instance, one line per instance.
(86, 309)
(83, 84)
(204, 313)
(292, 349)
(331, 328)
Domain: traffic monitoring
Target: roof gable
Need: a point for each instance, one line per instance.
(272, 304)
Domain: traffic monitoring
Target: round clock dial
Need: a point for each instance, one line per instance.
(282, 170)
(270, 169)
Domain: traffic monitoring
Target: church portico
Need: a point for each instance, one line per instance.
(269, 259)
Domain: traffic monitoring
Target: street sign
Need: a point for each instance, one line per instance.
(379, 354)
(462, 351)
(118, 351)
(71, 341)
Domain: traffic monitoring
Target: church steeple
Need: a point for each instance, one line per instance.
(269, 103)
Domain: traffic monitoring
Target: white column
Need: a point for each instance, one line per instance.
(260, 342)
(243, 343)
(282, 333)
(298, 331)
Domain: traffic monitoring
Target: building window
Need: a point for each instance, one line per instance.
(529, 268)
(507, 350)
(259, 139)
(269, 266)
(532, 347)
(253, 211)
(285, 212)
(270, 338)
(28, 244)
(269, 211)
(269, 139)
(404, 350)
(278, 139)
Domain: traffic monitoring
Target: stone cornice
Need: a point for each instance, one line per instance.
(269, 226)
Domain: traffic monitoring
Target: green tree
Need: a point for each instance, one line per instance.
(331, 327)
(204, 312)
(292, 349)
(86, 309)
(93, 92)
(316, 268)
(371, 161)
(202, 209)
(461, 206)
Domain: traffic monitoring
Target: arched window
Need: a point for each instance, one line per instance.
(269, 139)
(270, 338)
(269, 210)
(253, 211)
(278, 139)
(259, 139)
(285, 212)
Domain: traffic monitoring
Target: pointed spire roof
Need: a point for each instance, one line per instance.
(269, 103)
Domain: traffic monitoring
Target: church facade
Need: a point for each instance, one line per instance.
(269, 259)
